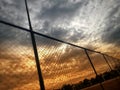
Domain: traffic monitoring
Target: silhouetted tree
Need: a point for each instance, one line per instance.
(99, 78)
(93, 81)
(86, 82)
(67, 87)
(107, 75)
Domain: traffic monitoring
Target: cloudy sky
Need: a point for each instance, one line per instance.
(94, 24)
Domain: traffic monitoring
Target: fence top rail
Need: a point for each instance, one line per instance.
(46, 36)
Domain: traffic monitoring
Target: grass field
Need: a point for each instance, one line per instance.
(113, 84)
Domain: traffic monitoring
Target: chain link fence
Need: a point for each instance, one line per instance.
(61, 65)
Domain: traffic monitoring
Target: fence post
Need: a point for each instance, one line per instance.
(93, 67)
(41, 82)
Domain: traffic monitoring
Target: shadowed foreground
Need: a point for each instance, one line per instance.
(113, 84)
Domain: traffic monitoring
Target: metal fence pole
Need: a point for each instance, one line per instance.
(93, 67)
(41, 82)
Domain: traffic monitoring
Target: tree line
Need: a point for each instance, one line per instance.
(89, 82)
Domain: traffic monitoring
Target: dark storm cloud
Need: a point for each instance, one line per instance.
(5, 33)
(114, 11)
(60, 9)
(12, 3)
(13, 11)
(10, 36)
(59, 33)
(112, 30)
(112, 37)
